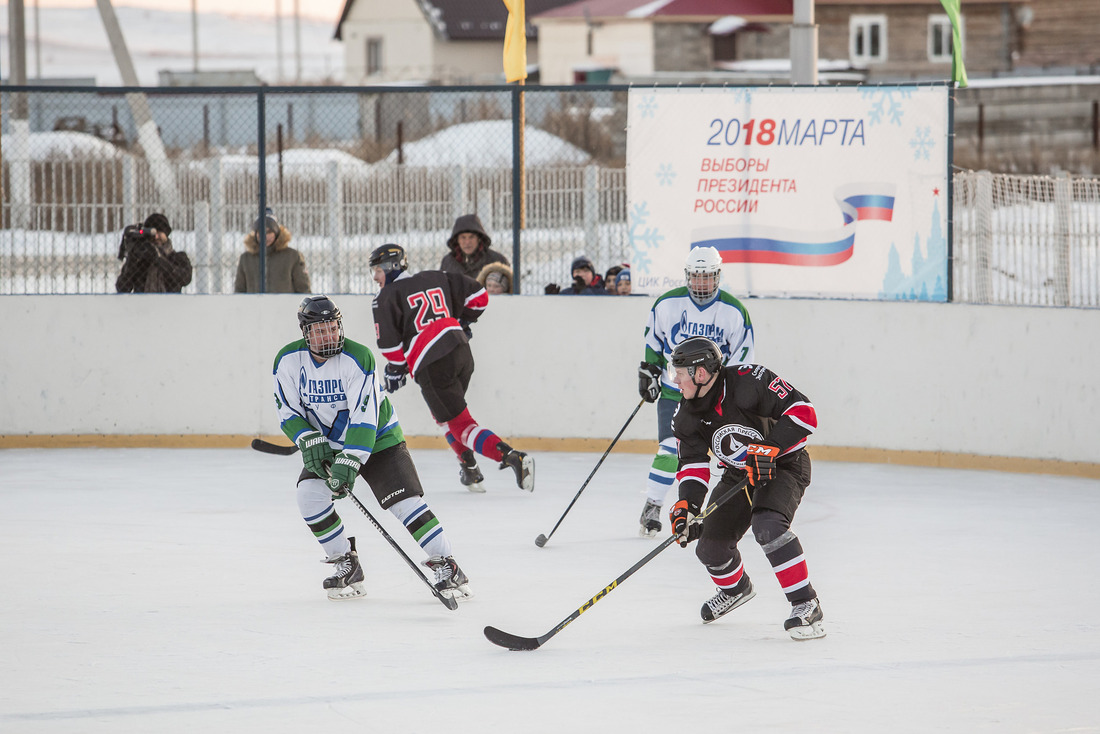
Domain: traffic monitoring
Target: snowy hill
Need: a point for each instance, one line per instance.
(74, 45)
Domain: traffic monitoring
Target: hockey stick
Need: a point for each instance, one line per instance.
(515, 642)
(541, 540)
(448, 602)
(273, 448)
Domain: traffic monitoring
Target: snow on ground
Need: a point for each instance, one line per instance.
(178, 591)
(488, 144)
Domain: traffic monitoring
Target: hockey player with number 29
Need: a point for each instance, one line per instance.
(756, 424)
(330, 405)
(422, 322)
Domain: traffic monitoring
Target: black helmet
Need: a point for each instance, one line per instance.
(698, 351)
(315, 310)
(391, 258)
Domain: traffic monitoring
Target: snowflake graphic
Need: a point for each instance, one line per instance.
(922, 143)
(642, 238)
(665, 174)
(648, 106)
(886, 103)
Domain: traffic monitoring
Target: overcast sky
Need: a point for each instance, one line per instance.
(321, 9)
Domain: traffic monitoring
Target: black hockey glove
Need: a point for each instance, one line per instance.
(760, 462)
(551, 289)
(316, 452)
(685, 525)
(345, 467)
(649, 382)
(578, 284)
(396, 377)
(466, 328)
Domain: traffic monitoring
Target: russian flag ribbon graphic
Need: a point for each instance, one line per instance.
(858, 202)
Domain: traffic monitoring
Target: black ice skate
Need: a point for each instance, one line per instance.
(519, 462)
(650, 520)
(469, 473)
(450, 581)
(805, 621)
(347, 582)
(726, 601)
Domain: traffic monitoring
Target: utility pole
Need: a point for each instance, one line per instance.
(804, 44)
(195, 36)
(148, 135)
(297, 43)
(279, 43)
(20, 163)
(37, 45)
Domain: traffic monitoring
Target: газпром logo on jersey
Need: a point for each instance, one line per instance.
(321, 391)
(728, 443)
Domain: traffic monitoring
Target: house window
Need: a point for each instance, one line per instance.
(374, 56)
(867, 38)
(939, 37)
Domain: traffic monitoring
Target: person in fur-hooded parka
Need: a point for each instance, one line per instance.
(286, 268)
(469, 248)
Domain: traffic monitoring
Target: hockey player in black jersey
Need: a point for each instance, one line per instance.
(756, 424)
(423, 328)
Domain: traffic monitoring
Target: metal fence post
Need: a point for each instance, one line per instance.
(217, 224)
(202, 246)
(983, 238)
(1063, 202)
(129, 190)
(333, 195)
(591, 214)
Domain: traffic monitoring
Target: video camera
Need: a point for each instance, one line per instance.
(137, 243)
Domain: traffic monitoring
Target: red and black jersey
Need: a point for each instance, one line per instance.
(748, 404)
(416, 317)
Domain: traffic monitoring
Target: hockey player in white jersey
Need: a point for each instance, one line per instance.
(699, 308)
(330, 404)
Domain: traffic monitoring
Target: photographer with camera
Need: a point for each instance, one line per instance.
(150, 265)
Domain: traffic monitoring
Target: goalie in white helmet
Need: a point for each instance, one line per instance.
(698, 308)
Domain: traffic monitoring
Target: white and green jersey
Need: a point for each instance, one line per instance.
(676, 316)
(339, 397)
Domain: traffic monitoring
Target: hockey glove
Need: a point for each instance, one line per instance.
(466, 328)
(649, 382)
(316, 452)
(684, 522)
(345, 467)
(395, 377)
(760, 462)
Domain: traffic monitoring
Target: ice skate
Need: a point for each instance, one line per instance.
(805, 621)
(726, 601)
(650, 521)
(519, 462)
(450, 581)
(347, 581)
(469, 473)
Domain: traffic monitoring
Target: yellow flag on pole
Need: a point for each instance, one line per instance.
(515, 41)
(958, 70)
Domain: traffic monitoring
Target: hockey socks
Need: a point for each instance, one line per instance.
(789, 564)
(463, 433)
(423, 526)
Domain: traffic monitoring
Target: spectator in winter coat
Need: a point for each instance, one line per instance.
(150, 265)
(586, 282)
(496, 278)
(286, 268)
(469, 248)
(622, 282)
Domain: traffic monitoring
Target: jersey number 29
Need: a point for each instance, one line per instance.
(430, 305)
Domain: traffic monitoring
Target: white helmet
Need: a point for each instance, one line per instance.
(703, 271)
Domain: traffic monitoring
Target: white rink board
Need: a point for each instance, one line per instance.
(988, 380)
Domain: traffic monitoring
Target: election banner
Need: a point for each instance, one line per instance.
(821, 192)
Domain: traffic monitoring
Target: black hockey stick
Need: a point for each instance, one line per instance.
(447, 601)
(273, 448)
(541, 540)
(515, 642)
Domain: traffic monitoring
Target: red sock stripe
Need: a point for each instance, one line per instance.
(731, 579)
(793, 574)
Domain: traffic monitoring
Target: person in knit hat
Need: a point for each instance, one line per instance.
(622, 282)
(469, 247)
(150, 265)
(286, 268)
(496, 278)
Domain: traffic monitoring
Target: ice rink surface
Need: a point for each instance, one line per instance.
(156, 590)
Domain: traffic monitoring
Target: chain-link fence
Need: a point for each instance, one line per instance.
(344, 170)
(348, 169)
